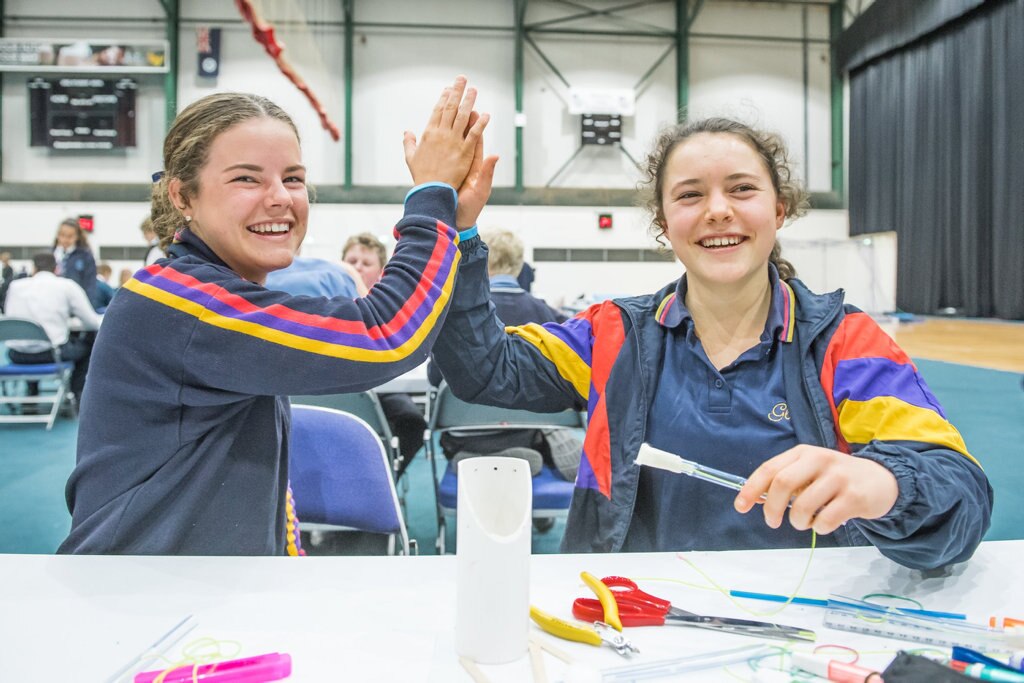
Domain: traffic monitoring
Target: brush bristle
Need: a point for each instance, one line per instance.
(663, 460)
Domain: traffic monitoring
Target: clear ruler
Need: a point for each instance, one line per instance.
(940, 635)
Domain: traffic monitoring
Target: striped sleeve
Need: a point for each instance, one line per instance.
(251, 339)
(583, 350)
(876, 393)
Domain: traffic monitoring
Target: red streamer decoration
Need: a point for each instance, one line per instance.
(264, 35)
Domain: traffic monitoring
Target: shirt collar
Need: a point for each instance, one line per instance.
(781, 323)
(504, 282)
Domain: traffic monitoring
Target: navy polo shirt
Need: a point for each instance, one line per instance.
(731, 419)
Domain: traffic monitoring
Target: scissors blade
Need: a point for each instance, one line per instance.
(759, 629)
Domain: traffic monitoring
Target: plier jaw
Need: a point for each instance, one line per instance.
(615, 640)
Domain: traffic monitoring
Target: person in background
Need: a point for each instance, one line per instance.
(525, 277)
(368, 256)
(6, 276)
(737, 366)
(74, 258)
(317, 277)
(52, 302)
(124, 276)
(183, 436)
(104, 292)
(6, 269)
(156, 252)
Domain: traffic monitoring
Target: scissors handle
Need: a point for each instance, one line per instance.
(620, 585)
(631, 614)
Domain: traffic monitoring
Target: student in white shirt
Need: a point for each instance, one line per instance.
(52, 302)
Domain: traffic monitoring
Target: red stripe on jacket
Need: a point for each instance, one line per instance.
(391, 327)
(609, 335)
(857, 336)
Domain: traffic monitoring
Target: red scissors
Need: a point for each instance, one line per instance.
(637, 608)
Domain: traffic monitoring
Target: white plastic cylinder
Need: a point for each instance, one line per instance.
(495, 509)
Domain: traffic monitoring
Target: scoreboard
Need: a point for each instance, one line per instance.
(82, 113)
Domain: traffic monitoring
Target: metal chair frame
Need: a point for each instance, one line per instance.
(19, 329)
(447, 413)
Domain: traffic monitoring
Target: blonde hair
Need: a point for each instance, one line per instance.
(187, 149)
(768, 146)
(504, 252)
(367, 241)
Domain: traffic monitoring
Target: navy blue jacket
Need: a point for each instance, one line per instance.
(80, 265)
(183, 439)
(848, 386)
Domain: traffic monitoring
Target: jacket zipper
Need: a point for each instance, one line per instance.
(643, 419)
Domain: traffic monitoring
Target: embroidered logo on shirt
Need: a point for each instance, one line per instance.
(780, 412)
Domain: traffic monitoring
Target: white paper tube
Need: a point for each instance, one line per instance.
(495, 506)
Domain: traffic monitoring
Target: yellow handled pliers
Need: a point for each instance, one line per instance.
(606, 631)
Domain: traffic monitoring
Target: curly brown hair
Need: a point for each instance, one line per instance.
(769, 147)
(187, 148)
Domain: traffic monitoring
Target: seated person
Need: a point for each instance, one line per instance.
(183, 436)
(514, 306)
(104, 292)
(368, 256)
(315, 277)
(52, 302)
(738, 366)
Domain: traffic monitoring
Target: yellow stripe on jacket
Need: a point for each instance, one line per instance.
(570, 366)
(886, 418)
(293, 341)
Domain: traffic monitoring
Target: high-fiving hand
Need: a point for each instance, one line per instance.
(446, 150)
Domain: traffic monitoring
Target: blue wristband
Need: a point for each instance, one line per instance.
(468, 233)
(424, 186)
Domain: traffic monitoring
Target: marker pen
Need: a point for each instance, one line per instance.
(269, 667)
(833, 670)
(968, 656)
(987, 673)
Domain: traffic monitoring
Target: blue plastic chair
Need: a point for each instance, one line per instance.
(341, 477)
(551, 493)
(18, 329)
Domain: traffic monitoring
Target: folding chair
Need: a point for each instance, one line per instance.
(551, 493)
(363, 404)
(17, 329)
(341, 478)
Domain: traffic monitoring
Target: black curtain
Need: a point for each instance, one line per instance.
(937, 154)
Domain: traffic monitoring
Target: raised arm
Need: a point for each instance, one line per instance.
(280, 344)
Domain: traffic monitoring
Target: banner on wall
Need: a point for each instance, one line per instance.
(83, 56)
(208, 48)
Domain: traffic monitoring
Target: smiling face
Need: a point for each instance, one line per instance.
(720, 209)
(366, 261)
(252, 206)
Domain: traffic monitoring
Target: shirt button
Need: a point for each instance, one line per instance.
(718, 383)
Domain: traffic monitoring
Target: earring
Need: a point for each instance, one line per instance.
(188, 219)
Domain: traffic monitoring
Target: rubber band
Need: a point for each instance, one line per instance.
(192, 654)
(781, 652)
(725, 592)
(836, 646)
(912, 601)
(873, 620)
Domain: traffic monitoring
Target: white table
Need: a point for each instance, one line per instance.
(392, 619)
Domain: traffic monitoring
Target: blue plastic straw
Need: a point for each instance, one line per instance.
(840, 604)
